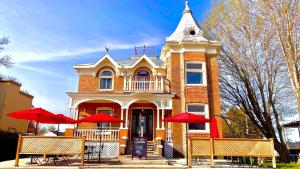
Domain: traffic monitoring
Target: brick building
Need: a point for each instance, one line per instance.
(144, 89)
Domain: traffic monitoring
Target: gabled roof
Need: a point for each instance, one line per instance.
(140, 59)
(98, 62)
(127, 63)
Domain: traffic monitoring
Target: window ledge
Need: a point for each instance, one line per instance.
(198, 131)
(195, 85)
(105, 90)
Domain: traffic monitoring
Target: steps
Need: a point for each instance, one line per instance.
(151, 146)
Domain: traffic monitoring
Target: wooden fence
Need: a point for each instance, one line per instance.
(44, 145)
(201, 147)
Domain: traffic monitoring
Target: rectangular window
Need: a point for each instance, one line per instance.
(105, 83)
(194, 78)
(194, 66)
(198, 110)
(194, 73)
(106, 111)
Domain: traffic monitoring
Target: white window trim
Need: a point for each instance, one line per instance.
(105, 108)
(112, 86)
(204, 79)
(205, 114)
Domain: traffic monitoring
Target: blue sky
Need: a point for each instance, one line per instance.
(49, 37)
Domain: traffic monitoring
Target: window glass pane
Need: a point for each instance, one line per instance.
(109, 84)
(106, 73)
(194, 66)
(105, 83)
(196, 126)
(194, 78)
(196, 108)
(143, 73)
(104, 125)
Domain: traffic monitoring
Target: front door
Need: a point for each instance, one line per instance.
(142, 123)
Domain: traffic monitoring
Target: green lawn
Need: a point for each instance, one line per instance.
(284, 166)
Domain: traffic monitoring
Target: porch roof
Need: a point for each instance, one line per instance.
(161, 100)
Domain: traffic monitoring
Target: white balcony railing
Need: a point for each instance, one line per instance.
(158, 85)
(95, 134)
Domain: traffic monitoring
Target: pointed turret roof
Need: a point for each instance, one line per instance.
(187, 29)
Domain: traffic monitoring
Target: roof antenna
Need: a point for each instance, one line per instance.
(107, 49)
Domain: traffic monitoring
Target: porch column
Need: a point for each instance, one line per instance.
(130, 82)
(162, 117)
(157, 120)
(76, 113)
(69, 114)
(156, 83)
(126, 122)
(122, 117)
(125, 84)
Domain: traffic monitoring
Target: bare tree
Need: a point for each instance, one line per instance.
(5, 60)
(253, 75)
(283, 16)
(237, 124)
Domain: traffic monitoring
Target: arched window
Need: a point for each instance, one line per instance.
(142, 75)
(106, 80)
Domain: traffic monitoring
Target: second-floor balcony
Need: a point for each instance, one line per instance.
(155, 85)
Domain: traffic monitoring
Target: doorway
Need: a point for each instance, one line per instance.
(142, 123)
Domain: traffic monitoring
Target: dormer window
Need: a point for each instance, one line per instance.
(192, 32)
(106, 80)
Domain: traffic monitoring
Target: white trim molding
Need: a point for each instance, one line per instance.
(205, 114)
(202, 70)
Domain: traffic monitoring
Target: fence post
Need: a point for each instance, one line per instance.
(18, 150)
(82, 151)
(189, 152)
(211, 153)
(273, 154)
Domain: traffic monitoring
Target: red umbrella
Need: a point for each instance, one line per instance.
(59, 119)
(214, 133)
(186, 118)
(37, 114)
(100, 118)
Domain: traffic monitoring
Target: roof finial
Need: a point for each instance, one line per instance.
(187, 7)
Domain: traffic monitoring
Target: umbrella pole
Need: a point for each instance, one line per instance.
(186, 141)
(37, 124)
(36, 128)
(100, 142)
(57, 129)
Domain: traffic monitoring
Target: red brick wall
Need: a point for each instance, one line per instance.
(90, 84)
(90, 109)
(174, 63)
(214, 94)
(195, 94)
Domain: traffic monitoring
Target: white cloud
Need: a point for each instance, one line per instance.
(43, 71)
(30, 56)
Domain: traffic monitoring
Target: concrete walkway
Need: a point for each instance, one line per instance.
(122, 162)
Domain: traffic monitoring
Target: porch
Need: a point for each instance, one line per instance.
(142, 115)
